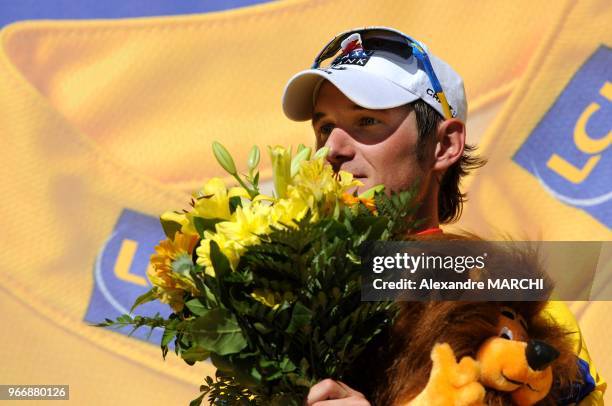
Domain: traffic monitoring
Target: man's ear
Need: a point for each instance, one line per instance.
(450, 143)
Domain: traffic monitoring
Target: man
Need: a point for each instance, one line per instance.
(393, 114)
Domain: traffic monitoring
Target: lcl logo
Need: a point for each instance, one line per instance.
(590, 146)
(120, 272)
(569, 150)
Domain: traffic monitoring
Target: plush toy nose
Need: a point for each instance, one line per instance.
(540, 355)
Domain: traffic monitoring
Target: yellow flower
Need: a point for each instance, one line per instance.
(317, 184)
(350, 200)
(212, 201)
(174, 216)
(281, 169)
(247, 223)
(231, 249)
(285, 212)
(238, 191)
(180, 218)
(169, 275)
(314, 187)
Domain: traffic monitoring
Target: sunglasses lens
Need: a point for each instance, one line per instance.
(373, 40)
(332, 48)
(401, 49)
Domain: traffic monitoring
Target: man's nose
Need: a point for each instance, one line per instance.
(341, 147)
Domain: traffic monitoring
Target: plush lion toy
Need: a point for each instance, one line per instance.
(509, 352)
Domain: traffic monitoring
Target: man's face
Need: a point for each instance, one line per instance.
(376, 146)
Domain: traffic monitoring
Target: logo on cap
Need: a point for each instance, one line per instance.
(352, 52)
(434, 95)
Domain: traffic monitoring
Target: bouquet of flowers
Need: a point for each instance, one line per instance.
(269, 287)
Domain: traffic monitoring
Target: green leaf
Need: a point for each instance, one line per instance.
(287, 365)
(242, 278)
(224, 158)
(247, 374)
(196, 307)
(300, 317)
(330, 335)
(376, 225)
(221, 363)
(164, 351)
(287, 399)
(195, 354)
(170, 227)
(218, 331)
(261, 328)
(206, 294)
(144, 298)
(169, 333)
(304, 365)
(201, 224)
(219, 262)
(368, 194)
(234, 203)
(197, 401)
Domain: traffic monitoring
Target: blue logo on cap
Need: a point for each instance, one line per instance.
(569, 151)
(120, 273)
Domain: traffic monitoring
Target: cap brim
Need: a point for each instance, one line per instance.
(362, 88)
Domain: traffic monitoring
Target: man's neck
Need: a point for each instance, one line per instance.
(428, 211)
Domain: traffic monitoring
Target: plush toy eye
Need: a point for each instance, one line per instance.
(506, 333)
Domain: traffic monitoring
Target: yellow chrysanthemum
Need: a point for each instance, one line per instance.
(350, 200)
(246, 224)
(231, 249)
(169, 274)
(235, 235)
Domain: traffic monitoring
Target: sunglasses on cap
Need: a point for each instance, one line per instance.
(392, 41)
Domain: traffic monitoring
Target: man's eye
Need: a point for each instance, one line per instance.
(326, 129)
(369, 121)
